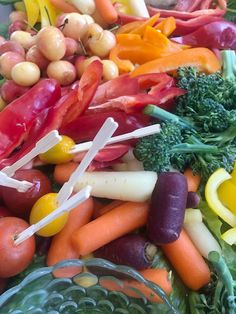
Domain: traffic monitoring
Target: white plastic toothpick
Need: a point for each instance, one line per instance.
(148, 130)
(20, 186)
(98, 143)
(74, 201)
(42, 146)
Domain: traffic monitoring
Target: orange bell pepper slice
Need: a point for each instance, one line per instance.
(155, 37)
(167, 26)
(202, 58)
(150, 22)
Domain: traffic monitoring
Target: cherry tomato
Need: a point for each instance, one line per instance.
(59, 153)
(43, 207)
(21, 203)
(4, 212)
(14, 258)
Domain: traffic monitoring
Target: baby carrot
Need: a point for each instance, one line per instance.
(193, 180)
(107, 11)
(62, 172)
(187, 262)
(158, 276)
(63, 6)
(101, 210)
(61, 247)
(110, 226)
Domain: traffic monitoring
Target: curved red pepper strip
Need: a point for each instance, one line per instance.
(186, 15)
(107, 154)
(85, 127)
(17, 118)
(136, 103)
(88, 85)
(191, 25)
(188, 5)
(49, 119)
(122, 85)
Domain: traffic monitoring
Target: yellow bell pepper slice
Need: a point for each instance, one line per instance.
(47, 12)
(213, 183)
(230, 236)
(32, 10)
(227, 192)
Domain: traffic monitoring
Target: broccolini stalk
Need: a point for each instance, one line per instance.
(179, 145)
(229, 64)
(225, 276)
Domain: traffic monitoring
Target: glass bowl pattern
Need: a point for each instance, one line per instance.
(42, 293)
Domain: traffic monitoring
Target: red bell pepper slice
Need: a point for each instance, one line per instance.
(50, 119)
(135, 103)
(191, 25)
(84, 128)
(122, 85)
(88, 85)
(17, 118)
(107, 154)
(154, 88)
(187, 5)
(186, 15)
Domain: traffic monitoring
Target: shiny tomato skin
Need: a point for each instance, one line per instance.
(14, 258)
(21, 203)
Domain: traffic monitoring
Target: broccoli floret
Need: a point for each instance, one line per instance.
(178, 145)
(202, 88)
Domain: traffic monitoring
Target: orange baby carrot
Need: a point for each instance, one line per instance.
(61, 247)
(107, 11)
(62, 172)
(193, 180)
(187, 262)
(158, 276)
(63, 6)
(101, 210)
(110, 226)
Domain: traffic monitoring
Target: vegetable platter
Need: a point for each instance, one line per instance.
(118, 156)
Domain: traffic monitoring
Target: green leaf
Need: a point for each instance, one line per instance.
(4, 30)
(231, 11)
(178, 296)
(216, 226)
(7, 2)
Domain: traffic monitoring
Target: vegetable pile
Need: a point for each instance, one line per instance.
(163, 188)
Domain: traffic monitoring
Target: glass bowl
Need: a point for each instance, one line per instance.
(41, 292)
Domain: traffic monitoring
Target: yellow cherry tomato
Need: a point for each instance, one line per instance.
(59, 154)
(43, 207)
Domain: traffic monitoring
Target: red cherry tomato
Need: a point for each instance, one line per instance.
(21, 203)
(14, 258)
(4, 212)
(3, 284)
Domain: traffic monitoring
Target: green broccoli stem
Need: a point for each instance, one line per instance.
(224, 273)
(229, 64)
(194, 148)
(223, 137)
(194, 302)
(164, 115)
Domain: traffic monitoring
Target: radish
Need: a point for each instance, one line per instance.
(135, 186)
(167, 208)
(132, 250)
